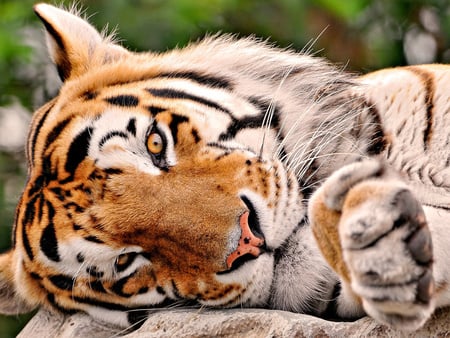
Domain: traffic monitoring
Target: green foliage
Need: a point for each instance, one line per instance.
(13, 17)
(350, 11)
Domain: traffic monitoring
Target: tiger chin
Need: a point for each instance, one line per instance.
(231, 173)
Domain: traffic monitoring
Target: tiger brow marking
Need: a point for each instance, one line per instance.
(78, 150)
(178, 94)
(203, 79)
(110, 135)
(131, 127)
(176, 121)
(155, 110)
(252, 121)
(123, 100)
(427, 79)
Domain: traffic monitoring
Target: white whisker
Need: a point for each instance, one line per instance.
(268, 115)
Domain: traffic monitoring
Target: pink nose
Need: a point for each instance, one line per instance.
(248, 243)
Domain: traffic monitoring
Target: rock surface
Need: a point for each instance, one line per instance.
(234, 323)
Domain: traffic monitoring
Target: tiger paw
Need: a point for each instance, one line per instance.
(384, 246)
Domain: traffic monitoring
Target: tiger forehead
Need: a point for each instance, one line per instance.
(145, 98)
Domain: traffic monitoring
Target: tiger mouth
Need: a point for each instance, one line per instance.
(251, 244)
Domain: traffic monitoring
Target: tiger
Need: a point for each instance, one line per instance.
(231, 173)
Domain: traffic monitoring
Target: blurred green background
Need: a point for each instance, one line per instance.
(362, 34)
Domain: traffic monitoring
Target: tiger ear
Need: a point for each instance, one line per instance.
(10, 302)
(74, 45)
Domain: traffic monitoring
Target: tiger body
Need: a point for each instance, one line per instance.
(231, 173)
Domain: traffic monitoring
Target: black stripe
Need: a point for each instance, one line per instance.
(264, 107)
(137, 317)
(94, 239)
(94, 271)
(195, 135)
(123, 100)
(78, 150)
(35, 276)
(220, 146)
(131, 127)
(332, 307)
(176, 121)
(143, 290)
(80, 257)
(53, 135)
(254, 121)
(16, 220)
(113, 171)
(443, 207)
(41, 205)
(178, 94)
(117, 287)
(237, 125)
(97, 285)
(176, 291)
(59, 193)
(106, 305)
(29, 214)
(62, 282)
(77, 208)
(49, 243)
(48, 173)
(378, 143)
(427, 79)
(36, 131)
(155, 110)
(89, 95)
(52, 301)
(110, 135)
(118, 307)
(203, 79)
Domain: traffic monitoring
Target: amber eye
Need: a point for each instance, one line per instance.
(155, 143)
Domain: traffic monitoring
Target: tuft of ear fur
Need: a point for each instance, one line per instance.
(74, 45)
(10, 302)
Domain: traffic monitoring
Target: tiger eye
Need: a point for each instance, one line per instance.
(155, 143)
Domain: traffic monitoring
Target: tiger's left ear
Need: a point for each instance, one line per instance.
(74, 45)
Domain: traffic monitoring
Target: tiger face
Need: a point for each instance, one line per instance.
(141, 190)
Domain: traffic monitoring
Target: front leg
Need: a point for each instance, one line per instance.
(373, 232)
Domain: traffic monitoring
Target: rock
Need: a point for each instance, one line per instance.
(236, 323)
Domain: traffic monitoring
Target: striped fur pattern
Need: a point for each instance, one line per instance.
(231, 173)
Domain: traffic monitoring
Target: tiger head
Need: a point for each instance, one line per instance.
(153, 178)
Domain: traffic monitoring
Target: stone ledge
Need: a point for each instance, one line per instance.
(234, 323)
